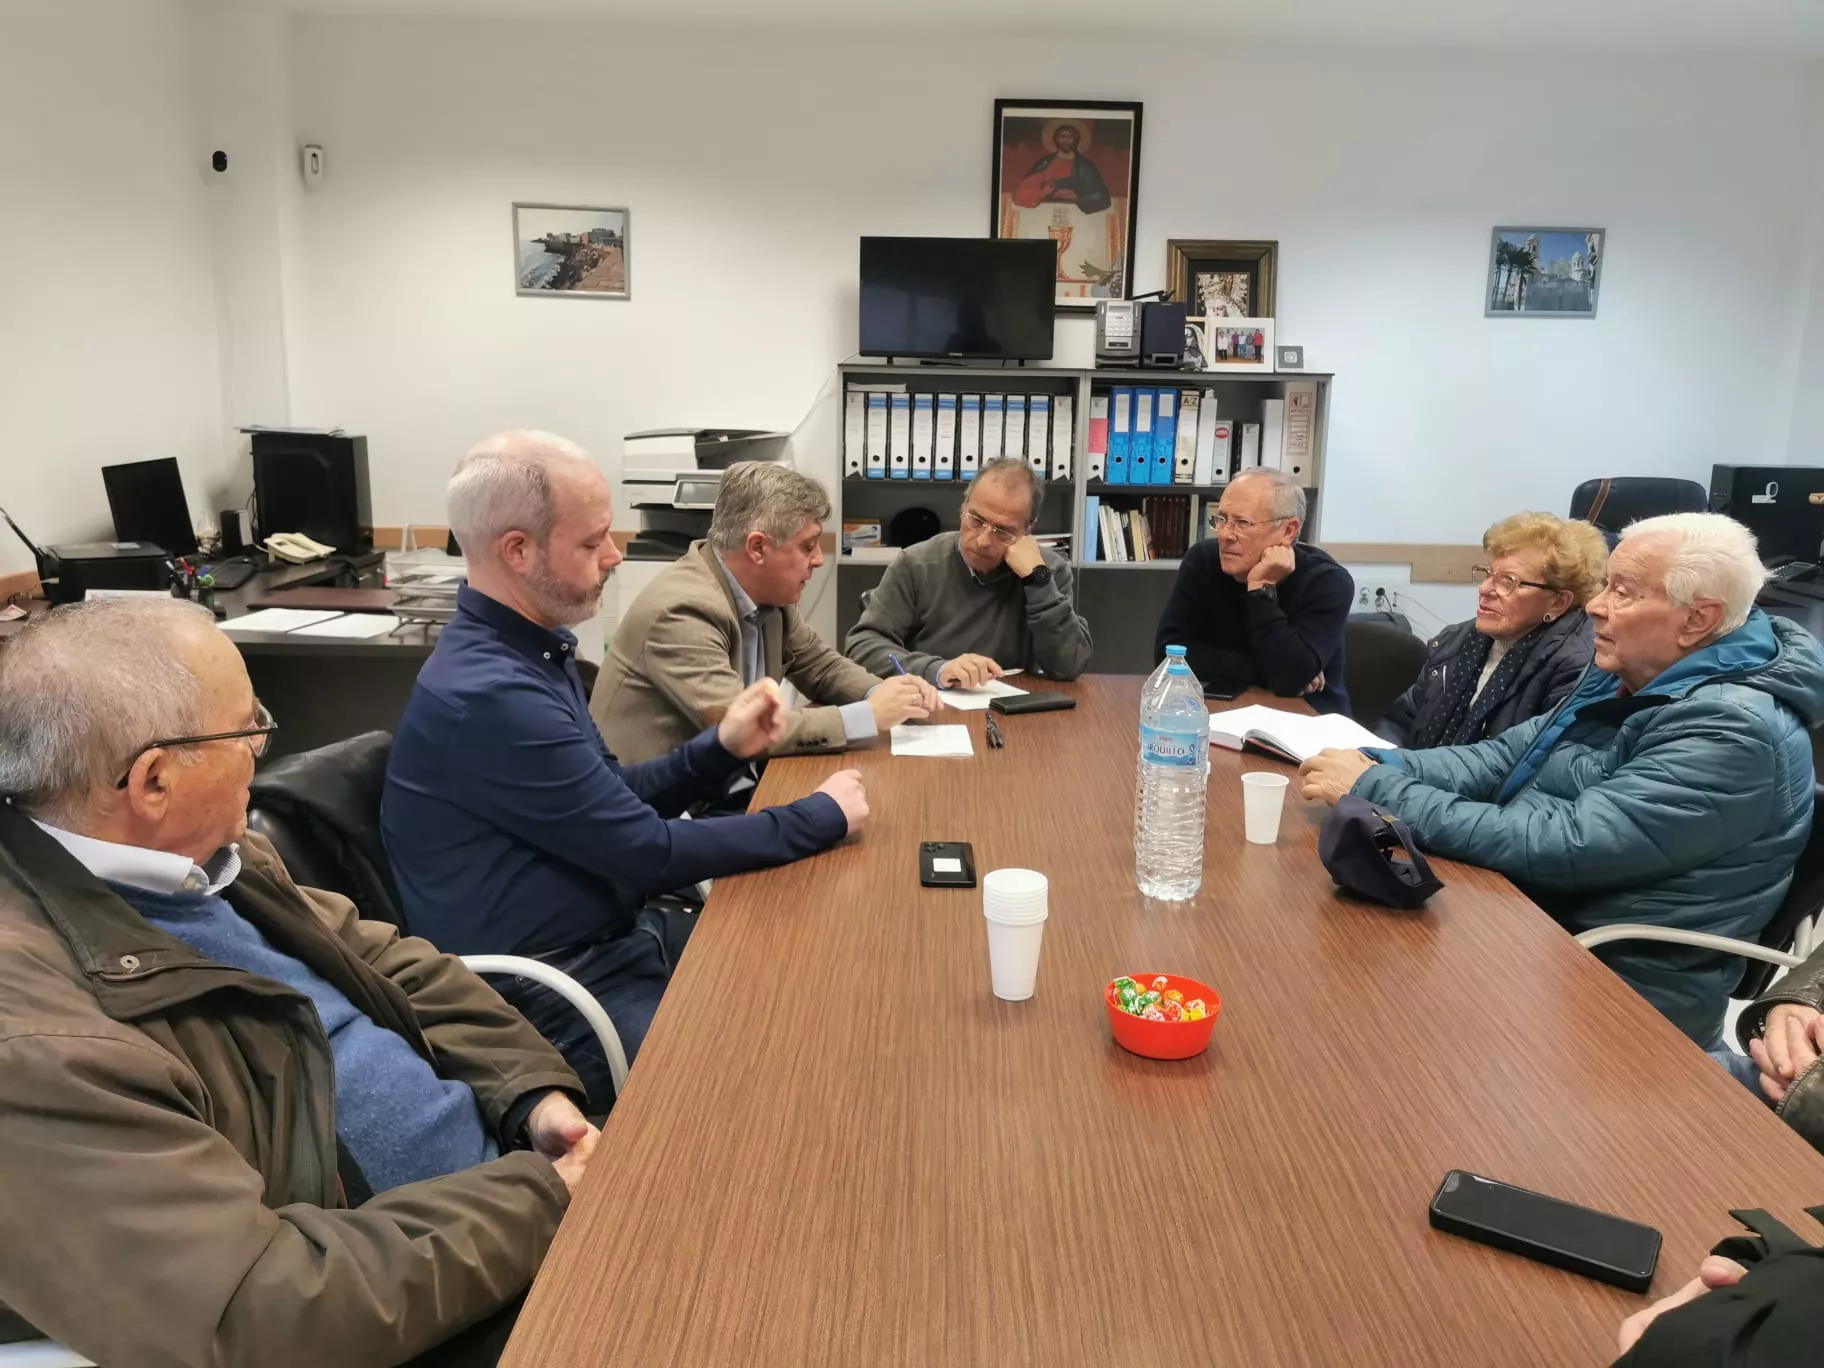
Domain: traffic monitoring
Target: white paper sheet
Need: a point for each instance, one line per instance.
(975, 700)
(909, 739)
(278, 619)
(352, 626)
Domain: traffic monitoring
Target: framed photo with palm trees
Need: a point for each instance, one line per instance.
(1544, 272)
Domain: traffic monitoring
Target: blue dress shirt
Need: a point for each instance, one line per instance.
(513, 829)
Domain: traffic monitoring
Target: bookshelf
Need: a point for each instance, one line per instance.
(1122, 607)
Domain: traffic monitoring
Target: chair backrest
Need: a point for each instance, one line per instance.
(1805, 898)
(321, 811)
(1380, 662)
(1617, 500)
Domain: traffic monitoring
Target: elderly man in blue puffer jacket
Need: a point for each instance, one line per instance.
(1672, 788)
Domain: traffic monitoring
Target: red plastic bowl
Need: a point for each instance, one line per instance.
(1164, 1039)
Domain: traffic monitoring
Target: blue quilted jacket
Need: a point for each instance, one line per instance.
(1684, 806)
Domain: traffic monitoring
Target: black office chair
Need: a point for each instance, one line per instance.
(1380, 662)
(1615, 501)
(1789, 936)
(321, 811)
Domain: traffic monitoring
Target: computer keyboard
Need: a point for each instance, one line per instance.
(230, 574)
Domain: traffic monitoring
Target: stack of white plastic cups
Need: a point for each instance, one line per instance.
(1015, 903)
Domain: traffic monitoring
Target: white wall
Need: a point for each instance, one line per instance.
(107, 306)
(752, 159)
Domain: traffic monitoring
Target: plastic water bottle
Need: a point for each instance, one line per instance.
(1173, 780)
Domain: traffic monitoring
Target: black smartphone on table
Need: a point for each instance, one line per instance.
(946, 864)
(1224, 693)
(1575, 1238)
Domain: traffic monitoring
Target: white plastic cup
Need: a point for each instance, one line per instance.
(1015, 903)
(1263, 797)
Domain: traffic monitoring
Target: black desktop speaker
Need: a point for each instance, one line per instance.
(1161, 333)
(314, 483)
(1782, 505)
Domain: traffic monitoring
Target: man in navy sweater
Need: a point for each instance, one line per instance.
(1255, 607)
(511, 827)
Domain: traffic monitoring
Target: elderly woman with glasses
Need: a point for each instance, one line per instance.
(1524, 649)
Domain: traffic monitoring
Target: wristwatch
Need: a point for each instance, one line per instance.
(1269, 593)
(1039, 574)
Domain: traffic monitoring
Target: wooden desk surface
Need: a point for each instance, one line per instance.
(838, 1148)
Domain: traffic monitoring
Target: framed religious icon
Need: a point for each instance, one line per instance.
(1069, 170)
(1223, 279)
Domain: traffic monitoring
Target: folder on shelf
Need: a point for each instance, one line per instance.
(994, 426)
(969, 440)
(1063, 436)
(1184, 459)
(1272, 432)
(1250, 446)
(1203, 470)
(1165, 436)
(1140, 461)
(1038, 433)
(854, 433)
(899, 437)
(1092, 527)
(943, 457)
(1098, 436)
(1120, 433)
(924, 421)
(877, 436)
(1222, 456)
(1013, 435)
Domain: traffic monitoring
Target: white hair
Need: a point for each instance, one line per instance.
(1288, 494)
(1713, 557)
(504, 485)
(83, 689)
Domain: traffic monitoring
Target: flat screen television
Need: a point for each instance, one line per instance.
(961, 297)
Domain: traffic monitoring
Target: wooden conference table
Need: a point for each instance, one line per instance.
(837, 1147)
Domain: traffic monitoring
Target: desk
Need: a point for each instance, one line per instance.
(797, 1174)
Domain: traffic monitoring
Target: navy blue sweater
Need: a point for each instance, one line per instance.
(511, 827)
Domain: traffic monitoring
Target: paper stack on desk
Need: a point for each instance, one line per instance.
(976, 700)
(911, 739)
(352, 627)
(278, 619)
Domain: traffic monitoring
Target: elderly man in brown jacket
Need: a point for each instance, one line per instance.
(204, 1069)
(725, 616)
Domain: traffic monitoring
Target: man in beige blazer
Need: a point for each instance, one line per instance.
(726, 615)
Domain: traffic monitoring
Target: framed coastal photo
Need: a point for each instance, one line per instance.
(1069, 170)
(1238, 344)
(1223, 279)
(569, 251)
(1544, 272)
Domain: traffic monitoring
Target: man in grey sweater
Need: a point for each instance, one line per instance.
(965, 607)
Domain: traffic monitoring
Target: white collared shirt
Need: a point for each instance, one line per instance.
(156, 870)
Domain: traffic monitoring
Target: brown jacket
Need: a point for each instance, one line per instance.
(674, 666)
(1803, 1108)
(168, 1180)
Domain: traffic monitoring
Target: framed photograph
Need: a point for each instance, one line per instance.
(1223, 279)
(1544, 272)
(569, 251)
(1069, 170)
(1238, 344)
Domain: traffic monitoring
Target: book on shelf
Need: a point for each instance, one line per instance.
(1184, 459)
(1038, 433)
(994, 426)
(1165, 436)
(1290, 736)
(899, 437)
(1209, 520)
(943, 455)
(1097, 452)
(1013, 435)
(1120, 433)
(1204, 463)
(969, 437)
(1272, 433)
(854, 432)
(1112, 539)
(877, 436)
(1092, 527)
(1063, 435)
(924, 427)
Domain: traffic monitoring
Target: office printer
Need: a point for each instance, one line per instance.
(672, 474)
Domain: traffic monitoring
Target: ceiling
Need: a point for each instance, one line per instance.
(1789, 28)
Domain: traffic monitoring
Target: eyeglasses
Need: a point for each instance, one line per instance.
(1006, 536)
(1506, 585)
(255, 736)
(1242, 525)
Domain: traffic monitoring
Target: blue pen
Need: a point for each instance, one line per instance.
(897, 667)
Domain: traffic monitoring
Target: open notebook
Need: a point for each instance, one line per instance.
(1289, 736)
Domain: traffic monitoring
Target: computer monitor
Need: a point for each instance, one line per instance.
(148, 504)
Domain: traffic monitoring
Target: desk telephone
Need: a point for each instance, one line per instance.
(1794, 572)
(296, 548)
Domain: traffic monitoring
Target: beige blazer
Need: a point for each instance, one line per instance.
(674, 666)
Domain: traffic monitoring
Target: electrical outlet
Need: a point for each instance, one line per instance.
(1361, 598)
